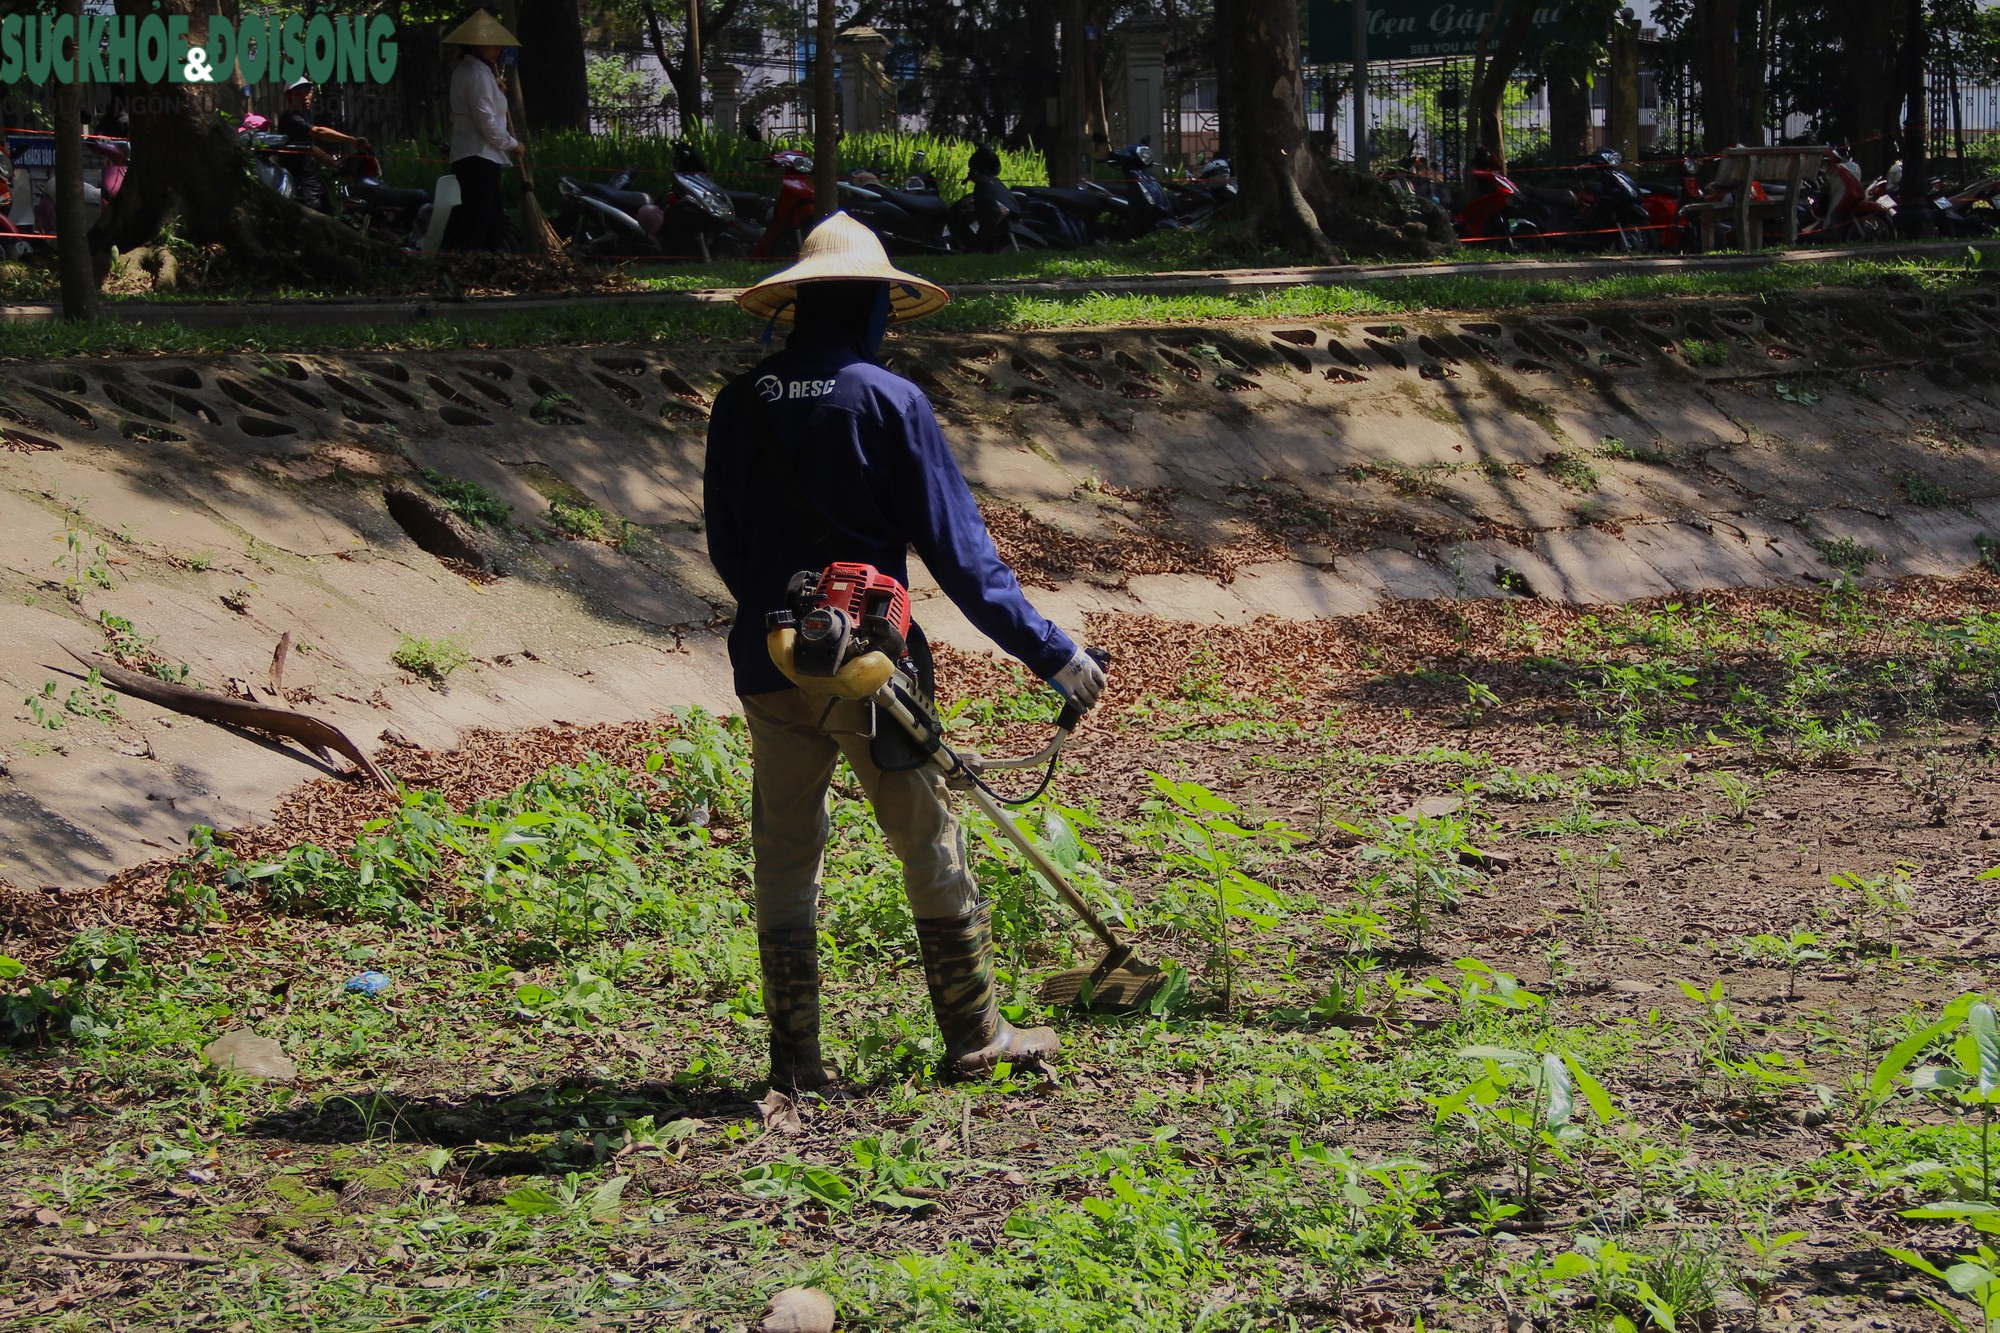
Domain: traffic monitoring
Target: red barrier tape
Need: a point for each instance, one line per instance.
(1551, 235)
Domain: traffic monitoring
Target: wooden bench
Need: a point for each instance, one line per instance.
(1739, 167)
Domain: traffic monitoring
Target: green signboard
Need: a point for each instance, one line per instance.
(1420, 29)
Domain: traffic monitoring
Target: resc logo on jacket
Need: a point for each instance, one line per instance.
(774, 390)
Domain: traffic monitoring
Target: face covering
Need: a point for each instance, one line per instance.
(878, 325)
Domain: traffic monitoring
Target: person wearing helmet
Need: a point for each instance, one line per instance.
(310, 145)
(820, 454)
(481, 143)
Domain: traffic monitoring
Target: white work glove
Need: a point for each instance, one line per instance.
(1080, 681)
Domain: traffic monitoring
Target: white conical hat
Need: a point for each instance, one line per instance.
(841, 249)
(482, 29)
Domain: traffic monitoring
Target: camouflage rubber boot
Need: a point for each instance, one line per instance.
(958, 967)
(791, 1002)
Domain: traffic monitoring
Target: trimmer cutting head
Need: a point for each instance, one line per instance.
(1121, 984)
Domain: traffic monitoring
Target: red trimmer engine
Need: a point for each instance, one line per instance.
(842, 612)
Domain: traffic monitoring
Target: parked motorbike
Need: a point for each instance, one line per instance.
(1613, 209)
(1066, 217)
(30, 210)
(608, 219)
(267, 154)
(702, 213)
(990, 216)
(398, 217)
(1497, 213)
(1854, 210)
(914, 218)
(1139, 204)
(1967, 212)
(791, 213)
(1198, 198)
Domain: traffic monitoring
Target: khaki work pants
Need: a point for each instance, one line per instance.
(794, 757)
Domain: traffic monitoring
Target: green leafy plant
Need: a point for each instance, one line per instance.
(579, 520)
(1704, 352)
(798, 1182)
(1418, 860)
(1798, 397)
(1205, 849)
(1845, 554)
(1627, 695)
(573, 1196)
(1790, 951)
(471, 501)
(1924, 493)
(1571, 470)
(1739, 793)
(92, 699)
(88, 568)
(1527, 1103)
(1971, 1082)
(433, 659)
(1768, 1259)
(1884, 901)
(1976, 1276)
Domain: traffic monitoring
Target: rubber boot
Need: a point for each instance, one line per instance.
(958, 967)
(791, 1002)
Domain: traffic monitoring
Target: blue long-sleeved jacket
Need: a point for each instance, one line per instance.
(880, 479)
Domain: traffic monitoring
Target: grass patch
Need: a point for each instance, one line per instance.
(471, 501)
(1435, 288)
(1845, 554)
(433, 659)
(1924, 493)
(1571, 470)
(1704, 352)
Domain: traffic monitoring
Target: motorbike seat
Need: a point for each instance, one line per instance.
(748, 201)
(918, 205)
(1079, 200)
(1543, 194)
(378, 195)
(629, 201)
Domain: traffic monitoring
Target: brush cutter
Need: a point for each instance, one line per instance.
(848, 636)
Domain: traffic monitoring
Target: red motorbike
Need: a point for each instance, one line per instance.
(1494, 212)
(792, 214)
(1855, 209)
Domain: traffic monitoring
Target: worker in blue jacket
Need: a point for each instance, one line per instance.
(820, 455)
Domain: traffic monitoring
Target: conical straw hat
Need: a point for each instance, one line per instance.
(482, 29)
(841, 249)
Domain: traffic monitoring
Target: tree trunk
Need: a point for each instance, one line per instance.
(1268, 127)
(1753, 74)
(186, 168)
(1569, 105)
(1288, 198)
(1866, 39)
(1720, 61)
(826, 118)
(1489, 86)
(79, 280)
(1045, 88)
(691, 57)
(551, 36)
(1916, 50)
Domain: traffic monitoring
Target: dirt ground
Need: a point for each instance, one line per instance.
(527, 1132)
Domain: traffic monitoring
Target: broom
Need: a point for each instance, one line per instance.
(538, 237)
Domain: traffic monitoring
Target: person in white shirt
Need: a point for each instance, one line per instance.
(480, 142)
